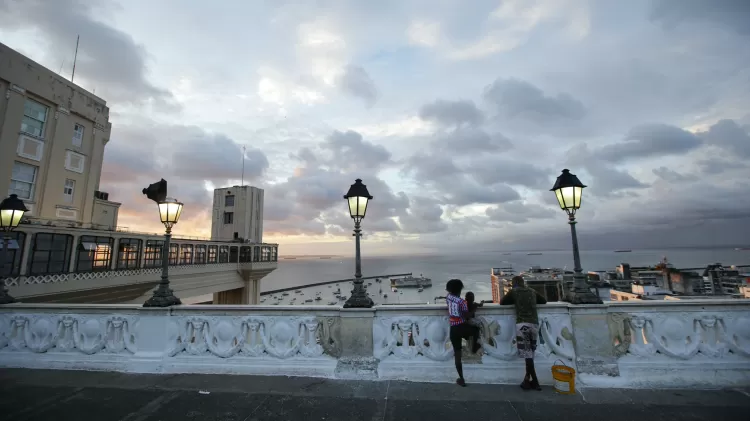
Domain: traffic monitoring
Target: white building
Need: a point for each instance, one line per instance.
(237, 214)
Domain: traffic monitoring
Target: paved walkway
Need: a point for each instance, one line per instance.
(81, 396)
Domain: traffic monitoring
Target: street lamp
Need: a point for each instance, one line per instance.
(358, 197)
(11, 212)
(169, 212)
(568, 190)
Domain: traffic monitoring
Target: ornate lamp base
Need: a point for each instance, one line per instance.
(359, 301)
(5, 298)
(162, 301)
(582, 297)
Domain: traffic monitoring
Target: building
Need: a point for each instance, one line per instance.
(237, 214)
(52, 139)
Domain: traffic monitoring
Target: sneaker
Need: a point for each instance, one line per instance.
(461, 382)
(526, 385)
(535, 385)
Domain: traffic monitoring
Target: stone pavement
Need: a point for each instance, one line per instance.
(104, 396)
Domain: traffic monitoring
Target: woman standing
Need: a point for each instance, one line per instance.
(527, 326)
(458, 312)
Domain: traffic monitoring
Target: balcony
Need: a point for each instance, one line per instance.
(631, 345)
(76, 265)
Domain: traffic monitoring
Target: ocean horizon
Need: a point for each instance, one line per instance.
(473, 268)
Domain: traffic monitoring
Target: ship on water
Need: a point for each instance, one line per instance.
(411, 282)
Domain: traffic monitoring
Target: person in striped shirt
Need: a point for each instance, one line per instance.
(458, 316)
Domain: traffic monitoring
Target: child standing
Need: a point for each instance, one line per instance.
(458, 316)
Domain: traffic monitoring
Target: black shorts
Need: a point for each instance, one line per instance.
(462, 331)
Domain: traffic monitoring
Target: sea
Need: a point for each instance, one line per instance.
(472, 268)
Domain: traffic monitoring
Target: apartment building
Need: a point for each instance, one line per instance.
(52, 139)
(237, 214)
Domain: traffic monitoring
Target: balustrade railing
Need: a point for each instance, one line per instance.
(669, 344)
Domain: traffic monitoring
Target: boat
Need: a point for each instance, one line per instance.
(318, 298)
(506, 254)
(742, 248)
(325, 257)
(623, 251)
(385, 295)
(533, 254)
(309, 300)
(285, 293)
(411, 282)
(420, 290)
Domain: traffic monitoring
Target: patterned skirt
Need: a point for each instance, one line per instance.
(526, 338)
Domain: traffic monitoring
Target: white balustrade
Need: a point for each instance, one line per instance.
(641, 344)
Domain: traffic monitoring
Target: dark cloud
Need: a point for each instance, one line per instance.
(357, 82)
(607, 181)
(423, 216)
(201, 155)
(349, 150)
(734, 14)
(466, 192)
(729, 135)
(515, 98)
(491, 169)
(518, 212)
(718, 165)
(108, 59)
(430, 167)
(470, 141)
(649, 140)
(672, 176)
(451, 113)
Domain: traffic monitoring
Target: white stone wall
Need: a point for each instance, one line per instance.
(632, 344)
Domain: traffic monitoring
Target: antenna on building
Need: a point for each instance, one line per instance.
(75, 58)
(61, 67)
(242, 183)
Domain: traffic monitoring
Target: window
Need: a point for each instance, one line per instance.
(256, 254)
(245, 254)
(228, 217)
(233, 254)
(186, 254)
(174, 253)
(265, 255)
(50, 254)
(68, 189)
(152, 255)
(229, 200)
(94, 254)
(30, 148)
(74, 162)
(77, 135)
(129, 253)
(200, 255)
(224, 254)
(22, 180)
(213, 254)
(275, 254)
(34, 118)
(12, 265)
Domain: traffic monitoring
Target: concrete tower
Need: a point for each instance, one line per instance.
(237, 213)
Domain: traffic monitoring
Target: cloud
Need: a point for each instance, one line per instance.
(672, 176)
(731, 13)
(730, 136)
(350, 151)
(356, 81)
(108, 58)
(515, 98)
(451, 113)
(518, 212)
(650, 140)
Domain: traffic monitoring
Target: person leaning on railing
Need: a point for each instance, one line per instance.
(458, 317)
(525, 301)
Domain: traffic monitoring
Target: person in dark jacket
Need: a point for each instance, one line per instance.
(525, 301)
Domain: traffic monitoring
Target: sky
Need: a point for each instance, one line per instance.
(457, 115)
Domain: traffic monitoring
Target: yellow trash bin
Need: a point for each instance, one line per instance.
(564, 378)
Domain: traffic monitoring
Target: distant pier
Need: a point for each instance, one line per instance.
(332, 282)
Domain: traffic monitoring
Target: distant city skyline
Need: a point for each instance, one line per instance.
(458, 118)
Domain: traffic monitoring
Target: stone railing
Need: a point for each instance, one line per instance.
(634, 344)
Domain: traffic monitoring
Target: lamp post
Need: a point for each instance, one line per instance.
(357, 198)
(568, 189)
(169, 212)
(11, 212)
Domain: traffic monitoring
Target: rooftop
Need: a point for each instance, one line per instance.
(76, 395)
